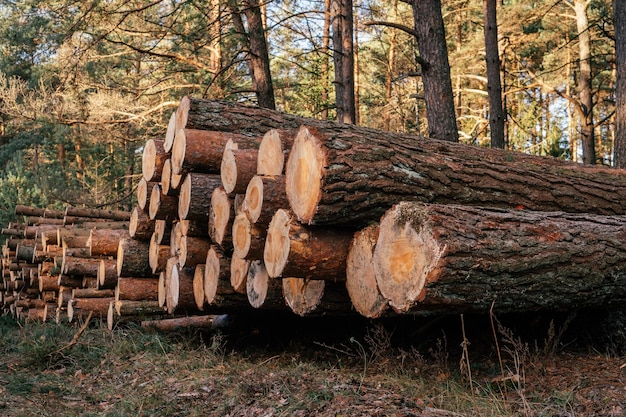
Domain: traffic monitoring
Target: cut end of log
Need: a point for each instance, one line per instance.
(172, 288)
(184, 198)
(239, 274)
(148, 158)
(360, 278)
(228, 170)
(198, 286)
(182, 113)
(241, 235)
(172, 128)
(143, 193)
(304, 175)
(155, 202)
(303, 296)
(257, 284)
(277, 244)
(406, 252)
(220, 214)
(119, 259)
(211, 275)
(271, 159)
(178, 151)
(253, 201)
(162, 290)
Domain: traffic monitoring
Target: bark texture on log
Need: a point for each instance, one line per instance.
(179, 323)
(140, 226)
(360, 277)
(152, 159)
(107, 274)
(137, 289)
(133, 258)
(264, 195)
(117, 215)
(237, 169)
(294, 250)
(194, 200)
(455, 258)
(104, 242)
(348, 175)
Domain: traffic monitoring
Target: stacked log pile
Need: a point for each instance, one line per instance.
(243, 208)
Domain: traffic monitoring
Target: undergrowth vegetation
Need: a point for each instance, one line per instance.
(454, 366)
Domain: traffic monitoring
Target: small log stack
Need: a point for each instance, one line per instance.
(247, 208)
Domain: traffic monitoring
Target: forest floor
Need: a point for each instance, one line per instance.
(274, 365)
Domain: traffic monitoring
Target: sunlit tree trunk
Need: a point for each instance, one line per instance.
(584, 82)
(325, 58)
(431, 42)
(619, 22)
(494, 86)
(390, 71)
(343, 57)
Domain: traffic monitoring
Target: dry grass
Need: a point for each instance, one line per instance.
(364, 369)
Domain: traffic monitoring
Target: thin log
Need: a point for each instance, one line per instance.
(107, 274)
(117, 215)
(194, 228)
(294, 250)
(73, 238)
(198, 285)
(92, 293)
(133, 258)
(137, 289)
(152, 159)
(248, 238)
(239, 274)
(21, 210)
(237, 169)
(80, 266)
(140, 226)
(124, 308)
(179, 323)
(263, 291)
(162, 231)
(170, 182)
(144, 190)
(202, 150)
(192, 250)
(221, 216)
(162, 207)
(170, 133)
(104, 242)
(264, 195)
(82, 306)
(360, 277)
(158, 256)
(180, 295)
(48, 283)
(194, 200)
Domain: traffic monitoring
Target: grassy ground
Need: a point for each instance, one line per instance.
(312, 368)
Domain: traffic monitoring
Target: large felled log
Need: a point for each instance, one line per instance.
(133, 258)
(455, 258)
(152, 159)
(194, 200)
(293, 250)
(360, 278)
(202, 150)
(104, 242)
(117, 215)
(264, 195)
(349, 175)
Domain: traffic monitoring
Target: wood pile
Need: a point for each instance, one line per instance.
(243, 208)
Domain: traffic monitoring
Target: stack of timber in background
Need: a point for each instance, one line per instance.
(242, 208)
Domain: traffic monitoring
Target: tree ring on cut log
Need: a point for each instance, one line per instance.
(303, 296)
(271, 159)
(360, 277)
(172, 128)
(406, 252)
(277, 243)
(254, 198)
(303, 175)
(241, 235)
(211, 275)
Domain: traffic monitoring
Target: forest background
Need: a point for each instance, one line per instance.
(84, 84)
